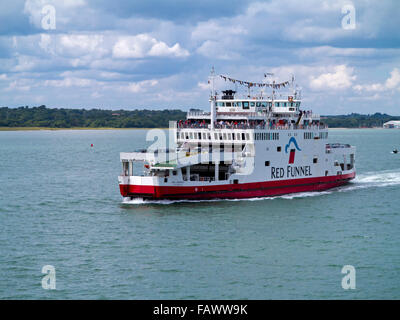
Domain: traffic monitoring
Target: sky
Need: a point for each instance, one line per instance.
(157, 54)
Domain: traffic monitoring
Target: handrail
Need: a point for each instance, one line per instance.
(249, 126)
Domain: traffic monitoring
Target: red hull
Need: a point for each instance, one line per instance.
(236, 191)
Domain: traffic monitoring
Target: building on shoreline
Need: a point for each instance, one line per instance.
(394, 124)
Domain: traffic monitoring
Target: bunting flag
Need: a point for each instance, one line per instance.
(254, 84)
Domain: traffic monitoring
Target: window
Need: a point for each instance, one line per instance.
(315, 160)
(215, 136)
(284, 104)
(239, 104)
(243, 137)
(191, 135)
(228, 104)
(174, 172)
(245, 104)
(229, 136)
(279, 149)
(224, 136)
(326, 173)
(276, 104)
(220, 104)
(267, 163)
(252, 104)
(247, 136)
(235, 181)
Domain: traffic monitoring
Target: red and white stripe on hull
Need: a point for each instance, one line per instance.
(236, 191)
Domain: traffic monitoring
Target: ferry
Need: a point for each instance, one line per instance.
(254, 145)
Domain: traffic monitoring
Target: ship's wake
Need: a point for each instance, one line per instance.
(376, 179)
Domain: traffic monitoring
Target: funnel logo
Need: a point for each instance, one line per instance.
(292, 151)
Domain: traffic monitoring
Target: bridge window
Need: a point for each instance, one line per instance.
(284, 104)
(252, 104)
(228, 104)
(276, 104)
(220, 104)
(239, 104)
(245, 104)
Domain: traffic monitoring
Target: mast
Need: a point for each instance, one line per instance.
(213, 97)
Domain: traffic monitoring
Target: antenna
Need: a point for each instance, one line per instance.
(211, 81)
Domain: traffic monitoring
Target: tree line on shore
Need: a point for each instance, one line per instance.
(98, 118)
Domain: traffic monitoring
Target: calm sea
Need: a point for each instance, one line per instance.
(60, 205)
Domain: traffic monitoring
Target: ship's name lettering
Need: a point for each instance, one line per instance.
(290, 172)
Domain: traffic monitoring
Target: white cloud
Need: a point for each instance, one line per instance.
(69, 82)
(391, 83)
(215, 30)
(82, 42)
(203, 85)
(217, 50)
(141, 86)
(394, 79)
(143, 45)
(341, 78)
(334, 51)
(3, 76)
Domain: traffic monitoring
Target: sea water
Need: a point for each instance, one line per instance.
(60, 206)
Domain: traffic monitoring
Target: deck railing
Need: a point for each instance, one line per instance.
(245, 126)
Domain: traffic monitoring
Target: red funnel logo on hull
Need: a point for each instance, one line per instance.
(291, 156)
(292, 151)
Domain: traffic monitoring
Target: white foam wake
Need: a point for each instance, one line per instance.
(366, 180)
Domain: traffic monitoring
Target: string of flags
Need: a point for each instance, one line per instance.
(256, 84)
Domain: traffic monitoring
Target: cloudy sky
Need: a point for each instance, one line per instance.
(157, 54)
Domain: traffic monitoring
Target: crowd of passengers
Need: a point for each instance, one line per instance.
(253, 124)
